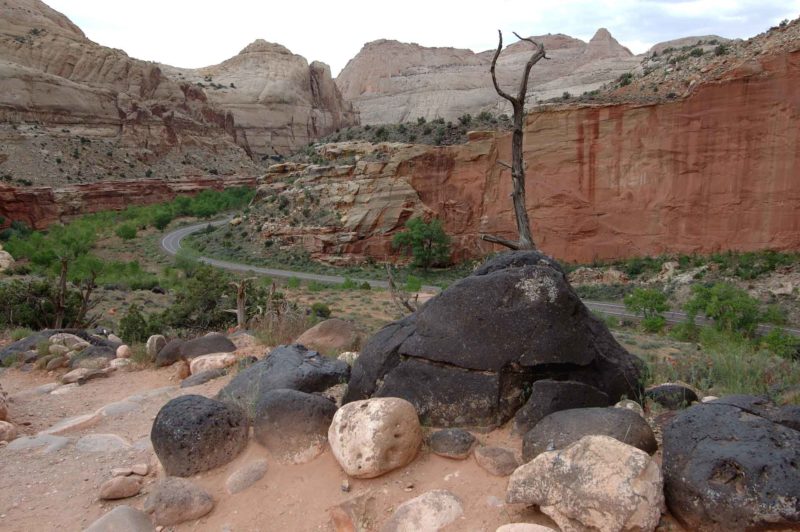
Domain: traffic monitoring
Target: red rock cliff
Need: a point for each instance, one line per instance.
(719, 170)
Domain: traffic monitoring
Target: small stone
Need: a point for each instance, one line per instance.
(124, 351)
(67, 388)
(629, 404)
(140, 469)
(452, 443)
(120, 487)
(58, 350)
(82, 375)
(181, 370)
(56, 362)
(524, 527)
(346, 485)
(121, 363)
(122, 519)
(432, 510)
(121, 472)
(673, 396)
(246, 476)
(8, 432)
(498, 461)
(709, 398)
(177, 500)
(114, 338)
(73, 423)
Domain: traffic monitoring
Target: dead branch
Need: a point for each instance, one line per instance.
(402, 299)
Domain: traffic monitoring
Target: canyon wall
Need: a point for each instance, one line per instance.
(718, 170)
(391, 82)
(39, 207)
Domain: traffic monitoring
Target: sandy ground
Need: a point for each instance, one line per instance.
(58, 490)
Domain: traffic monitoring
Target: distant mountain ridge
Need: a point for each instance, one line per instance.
(389, 81)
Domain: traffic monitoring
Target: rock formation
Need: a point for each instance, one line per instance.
(710, 172)
(467, 357)
(71, 109)
(390, 81)
(277, 100)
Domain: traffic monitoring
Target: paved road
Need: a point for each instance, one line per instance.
(171, 243)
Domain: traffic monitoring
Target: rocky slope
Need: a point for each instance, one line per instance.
(72, 110)
(390, 82)
(714, 171)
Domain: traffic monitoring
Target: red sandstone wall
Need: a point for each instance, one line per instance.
(719, 170)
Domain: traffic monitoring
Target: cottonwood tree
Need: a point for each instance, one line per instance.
(517, 166)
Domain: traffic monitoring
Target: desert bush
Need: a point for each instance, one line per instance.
(293, 282)
(781, 343)
(316, 286)
(653, 324)
(126, 231)
(31, 303)
(201, 301)
(413, 284)
(320, 310)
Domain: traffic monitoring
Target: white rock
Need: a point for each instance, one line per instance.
(75, 343)
(430, 511)
(120, 487)
(371, 437)
(597, 483)
(124, 351)
(212, 361)
(57, 349)
(628, 404)
(114, 338)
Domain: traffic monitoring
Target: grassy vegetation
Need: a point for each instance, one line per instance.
(72, 250)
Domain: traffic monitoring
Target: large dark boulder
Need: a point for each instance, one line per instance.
(563, 428)
(548, 396)
(193, 433)
(177, 349)
(291, 367)
(733, 464)
(293, 425)
(11, 351)
(470, 355)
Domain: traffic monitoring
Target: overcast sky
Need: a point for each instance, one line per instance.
(196, 33)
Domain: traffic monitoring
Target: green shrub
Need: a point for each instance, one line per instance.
(348, 284)
(427, 242)
(19, 333)
(781, 343)
(732, 309)
(43, 348)
(126, 231)
(413, 284)
(647, 301)
(133, 326)
(201, 301)
(316, 286)
(653, 324)
(696, 52)
(293, 282)
(162, 219)
(320, 310)
(365, 286)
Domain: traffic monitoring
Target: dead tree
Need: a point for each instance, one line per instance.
(405, 302)
(241, 302)
(517, 166)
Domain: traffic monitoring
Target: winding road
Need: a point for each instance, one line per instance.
(171, 243)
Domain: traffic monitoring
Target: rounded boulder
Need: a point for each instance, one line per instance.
(193, 433)
(293, 425)
(374, 436)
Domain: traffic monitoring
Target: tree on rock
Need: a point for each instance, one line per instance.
(517, 166)
(426, 241)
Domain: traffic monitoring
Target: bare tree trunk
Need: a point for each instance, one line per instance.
(241, 302)
(61, 296)
(525, 237)
(402, 299)
(86, 305)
